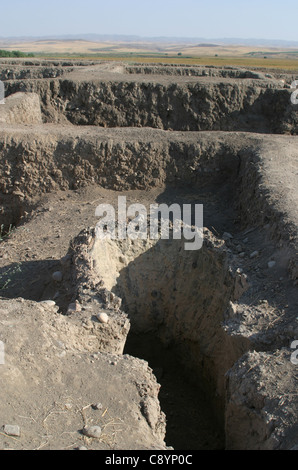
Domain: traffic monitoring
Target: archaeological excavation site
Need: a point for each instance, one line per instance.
(112, 343)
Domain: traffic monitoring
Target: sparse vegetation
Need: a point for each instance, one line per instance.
(4, 234)
(7, 276)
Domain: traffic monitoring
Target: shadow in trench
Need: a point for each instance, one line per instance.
(32, 280)
(191, 420)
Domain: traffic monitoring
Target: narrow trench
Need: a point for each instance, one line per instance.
(175, 301)
(167, 292)
(192, 422)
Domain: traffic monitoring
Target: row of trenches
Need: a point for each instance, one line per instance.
(26, 69)
(182, 305)
(177, 300)
(195, 99)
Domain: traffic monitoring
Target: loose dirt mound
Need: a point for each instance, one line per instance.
(57, 381)
(21, 108)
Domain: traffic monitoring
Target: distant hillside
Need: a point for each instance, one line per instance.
(202, 42)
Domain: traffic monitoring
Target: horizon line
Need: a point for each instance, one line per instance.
(131, 37)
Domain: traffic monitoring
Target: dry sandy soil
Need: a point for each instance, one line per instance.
(196, 353)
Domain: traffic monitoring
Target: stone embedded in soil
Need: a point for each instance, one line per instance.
(74, 307)
(97, 406)
(58, 276)
(103, 317)
(92, 431)
(254, 254)
(227, 236)
(12, 430)
(50, 303)
(271, 264)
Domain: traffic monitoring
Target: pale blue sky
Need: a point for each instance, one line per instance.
(180, 18)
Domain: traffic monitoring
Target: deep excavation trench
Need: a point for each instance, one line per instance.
(176, 301)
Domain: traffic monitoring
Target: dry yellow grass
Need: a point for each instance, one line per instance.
(150, 52)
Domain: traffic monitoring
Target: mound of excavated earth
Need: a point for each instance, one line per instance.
(21, 108)
(140, 343)
(55, 381)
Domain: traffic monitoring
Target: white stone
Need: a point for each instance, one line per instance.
(92, 431)
(12, 430)
(103, 317)
(50, 303)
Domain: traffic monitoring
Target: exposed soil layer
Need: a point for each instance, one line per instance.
(183, 99)
(215, 324)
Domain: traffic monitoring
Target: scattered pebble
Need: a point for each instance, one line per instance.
(271, 264)
(227, 236)
(103, 317)
(12, 430)
(254, 254)
(81, 448)
(50, 303)
(58, 276)
(74, 307)
(88, 325)
(95, 356)
(97, 406)
(92, 431)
